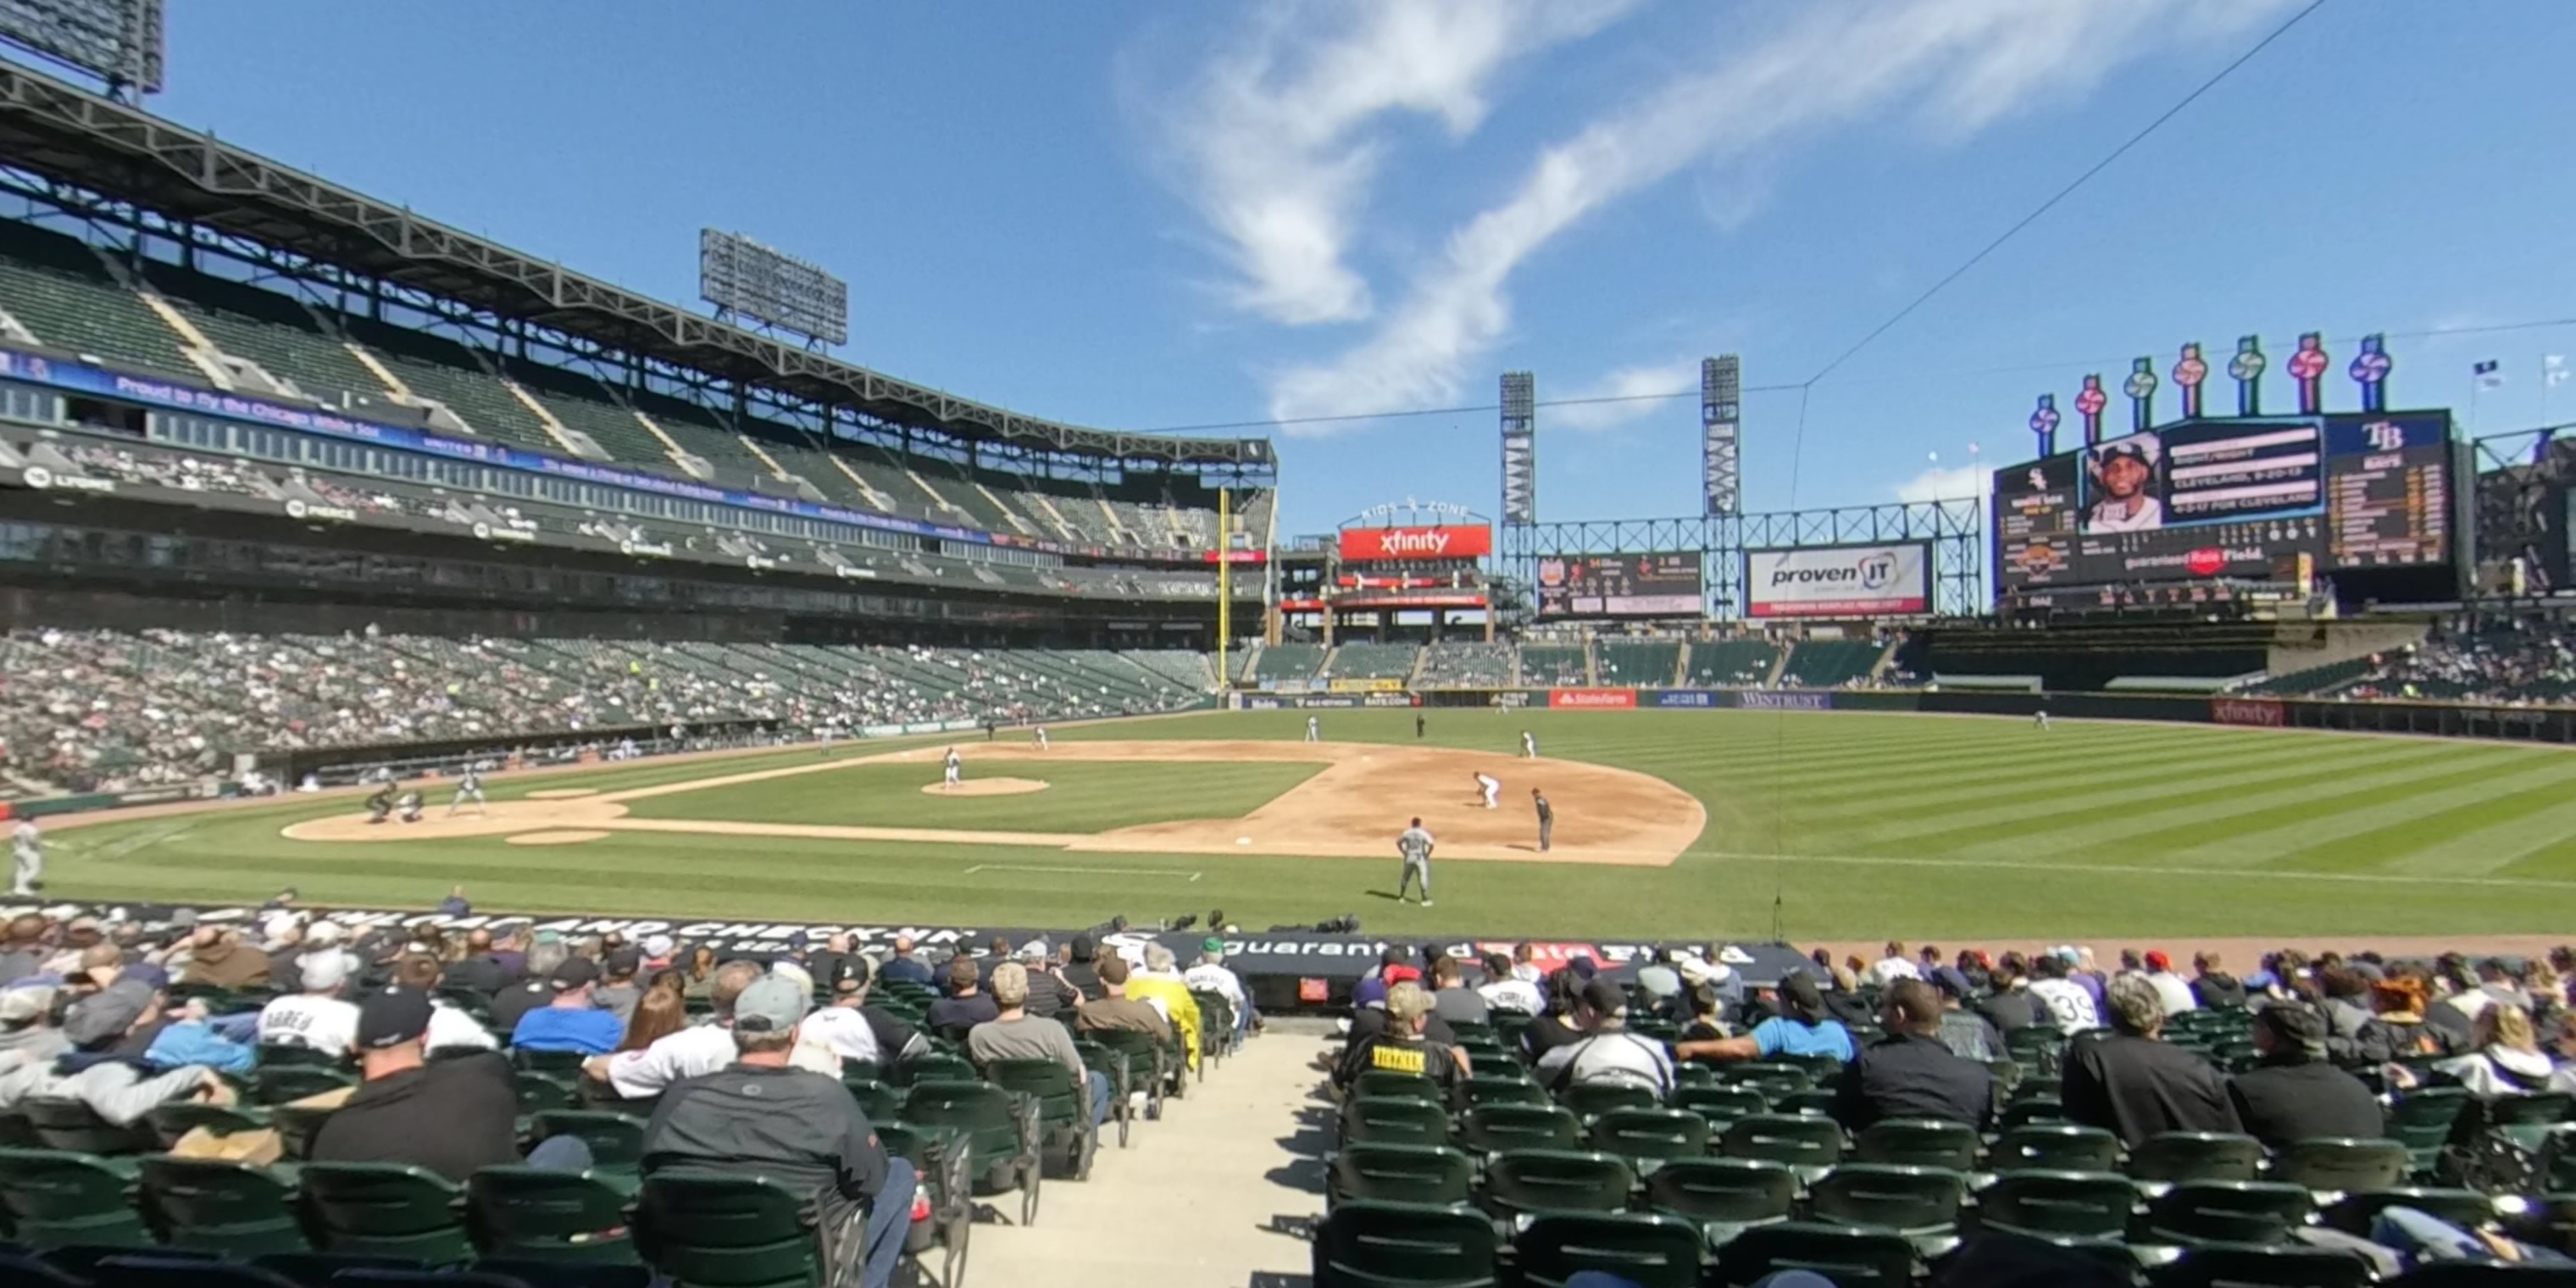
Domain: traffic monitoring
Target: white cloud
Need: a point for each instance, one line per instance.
(1275, 139)
(1951, 483)
(1634, 384)
(1960, 64)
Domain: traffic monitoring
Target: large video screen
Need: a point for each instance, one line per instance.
(1648, 585)
(2238, 498)
(1839, 581)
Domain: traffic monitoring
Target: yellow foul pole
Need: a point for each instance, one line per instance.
(1224, 578)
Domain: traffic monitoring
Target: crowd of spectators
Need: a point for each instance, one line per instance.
(731, 1067)
(105, 710)
(2505, 659)
(1456, 664)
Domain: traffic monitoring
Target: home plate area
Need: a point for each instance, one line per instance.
(1353, 807)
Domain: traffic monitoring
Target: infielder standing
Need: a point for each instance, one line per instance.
(1490, 786)
(468, 787)
(1042, 738)
(30, 849)
(2041, 719)
(1415, 846)
(1314, 730)
(953, 765)
(1546, 820)
(1529, 746)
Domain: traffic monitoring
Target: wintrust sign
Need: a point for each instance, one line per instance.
(1449, 541)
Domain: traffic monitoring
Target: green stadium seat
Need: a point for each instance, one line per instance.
(1143, 1064)
(1646, 1136)
(1501, 1091)
(2341, 1165)
(2058, 1206)
(1063, 1109)
(1918, 1142)
(537, 1214)
(1645, 1250)
(1774, 1081)
(940, 1162)
(1811, 1145)
(1914, 1201)
(999, 1131)
(1529, 1182)
(875, 1099)
(2272, 1267)
(939, 1068)
(53, 1200)
(2196, 1156)
(2482, 1274)
(296, 1055)
(2055, 1147)
(2025, 1111)
(727, 1232)
(1850, 1258)
(2467, 1209)
(1721, 1105)
(1497, 1066)
(1389, 1083)
(1399, 1174)
(74, 1128)
(1491, 1129)
(383, 1210)
(289, 1083)
(168, 1123)
(1386, 1121)
(1723, 1195)
(539, 1093)
(615, 1140)
(223, 1208)
(1403, 1245)
(2235, 1212)
(1595, 1099)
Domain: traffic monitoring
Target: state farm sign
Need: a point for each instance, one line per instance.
(1449, 541)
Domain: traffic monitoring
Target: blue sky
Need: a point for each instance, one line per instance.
(1147, 215)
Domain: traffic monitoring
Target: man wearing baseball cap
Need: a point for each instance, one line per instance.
(1607, 1054)
(854, 1030)
(1209, 974)
(572, 1021)
(318, 1017)
(2293, 1092)
(2170, 988)
(451, 1117)
(2124, 472)
(760, 1117)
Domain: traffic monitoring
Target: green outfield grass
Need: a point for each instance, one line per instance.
(1859, 825)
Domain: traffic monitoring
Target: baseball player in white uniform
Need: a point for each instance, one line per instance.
(1041, 737)
(1314, 730)
(953, 766)
(1490, 786)
(1415, 845)
(29, 847)
(469, 787)
(2041, 718)
(1529, 746)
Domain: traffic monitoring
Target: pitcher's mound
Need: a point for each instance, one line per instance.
(572, 836)
(563, 793)
(986, 787)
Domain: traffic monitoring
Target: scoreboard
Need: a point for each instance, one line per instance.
(1665, 584)
(2241, 498)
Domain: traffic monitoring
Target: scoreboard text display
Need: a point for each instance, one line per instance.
(1894, 579)
(1647, 585)
(2240, 498)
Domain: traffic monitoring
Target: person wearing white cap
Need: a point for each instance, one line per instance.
(318, 1017)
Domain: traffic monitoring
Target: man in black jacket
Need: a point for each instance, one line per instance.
(451, 1117)
(2294, 1094)
(2134, 1083)
(759, 1117)
(1911, 1073)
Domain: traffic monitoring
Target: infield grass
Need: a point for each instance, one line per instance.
(1859, 826)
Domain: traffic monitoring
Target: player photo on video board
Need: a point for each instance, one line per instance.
(2125, 485)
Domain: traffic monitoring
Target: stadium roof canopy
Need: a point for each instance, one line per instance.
(77, 137)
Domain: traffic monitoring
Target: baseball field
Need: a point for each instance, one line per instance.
(1686, 823)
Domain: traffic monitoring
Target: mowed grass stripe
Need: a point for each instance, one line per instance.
(2252, 828)
(2046, 821)
(2473, 839)
(2360, 818)
(2014, 785)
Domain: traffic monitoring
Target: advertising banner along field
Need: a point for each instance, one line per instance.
(1839, 581)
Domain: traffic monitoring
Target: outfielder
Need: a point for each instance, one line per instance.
(1041, 737)
(1546, 820)
(1490, 786)
(1415, 846)
(953, 766)
(469, 786)
(1529, 746)
(2040, 720)
(1314, 730)
(30, 849)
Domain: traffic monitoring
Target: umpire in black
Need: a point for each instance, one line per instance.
(1546, 820)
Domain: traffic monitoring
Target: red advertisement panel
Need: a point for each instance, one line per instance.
(1448, 541)
(2266, 712)
(1594, 699)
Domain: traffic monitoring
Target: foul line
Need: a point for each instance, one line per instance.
(2102, 870)
(1091, 872)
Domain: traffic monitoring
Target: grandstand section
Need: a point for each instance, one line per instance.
(1831, 664)
(1372, 662)
(1452, 664)
(1739, 662)
(1293, 662)
(1556, 664)
(1639, 663)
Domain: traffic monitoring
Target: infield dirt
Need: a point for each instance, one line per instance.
(1353, 807)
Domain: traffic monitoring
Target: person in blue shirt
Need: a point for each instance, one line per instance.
(1801, 1028)
(573, 1020)
(903, 967)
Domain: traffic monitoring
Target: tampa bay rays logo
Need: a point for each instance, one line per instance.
(2383, 435)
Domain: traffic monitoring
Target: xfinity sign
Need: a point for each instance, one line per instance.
(1419, 544)
(1839, 581)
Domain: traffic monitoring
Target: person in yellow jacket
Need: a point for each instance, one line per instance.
(1161, 981)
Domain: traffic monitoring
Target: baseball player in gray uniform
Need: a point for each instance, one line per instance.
(1415, 846)
(1314, 730)
(28, 847)
(469, 787)
(1546, 820)
(951, 765)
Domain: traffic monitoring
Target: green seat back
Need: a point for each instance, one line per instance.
(1774, 1081)
(73, 1127)
(2538, 1107)
(616, 1140)
(167, 1123)
(1650, 1133)
(1061, 1104)
(1501, 1091)
(1918, 1142)
(1591, 1100)
(938, 1068)
(278, 1086)
(1810, 1144)
(538, 1214)
(1497, 1066)
(2467, 1209)
(1399, 1174)
(1375, 1120)
(2196, 1156)
(2342, 1165)
(1645, 1250)
(726, 1232)
(1722, 1104)
(54, 1199)
(877, 1100)
(2259, 1212)
(2273, 1267)
(1723, 1191)
(2058, 1205)
(1491, 1129)
(296, 1128)
(981, 1115)
(1403, 1245)
(229, 1209)
(540, 1092)
(1851, 1258)
(562, 1064)
(2026, 1110)
(1391, 1083)
(296, 1055)
(2423, 1121)
(383, 1210)
(1526, 1182)
(1913, 1200)
(2055, 1147)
